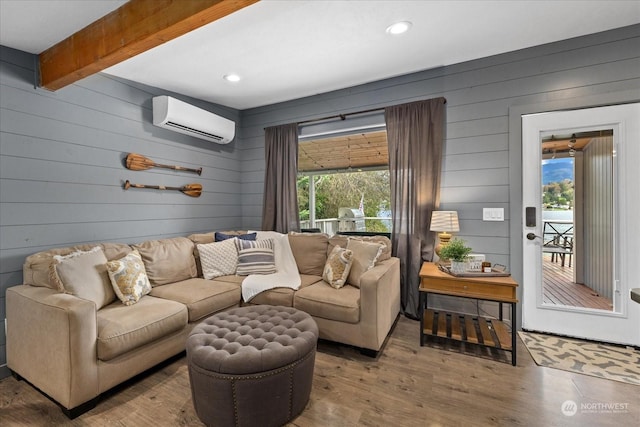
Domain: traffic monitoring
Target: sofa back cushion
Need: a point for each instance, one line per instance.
(115, 250)
(309, 251)
(201, 238)
(35, 270)
(168, 260)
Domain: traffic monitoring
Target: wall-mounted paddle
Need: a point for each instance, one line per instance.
(193, 190)
(138, 162)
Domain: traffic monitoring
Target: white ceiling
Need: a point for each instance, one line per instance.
(35, 25)
(285, 50)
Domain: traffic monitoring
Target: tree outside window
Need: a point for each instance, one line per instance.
(346, 190)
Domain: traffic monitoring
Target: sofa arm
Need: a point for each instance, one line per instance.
(51, 342)
(379, 301)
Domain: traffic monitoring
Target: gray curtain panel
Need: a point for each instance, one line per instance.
(415, 134)
(280, 203)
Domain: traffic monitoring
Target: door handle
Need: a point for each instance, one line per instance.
(532, 236)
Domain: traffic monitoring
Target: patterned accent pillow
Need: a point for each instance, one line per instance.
(219, 236)
(218, 258)
(337, 267)
(129, 278)
(365, 256)
(255, 257)
(84, 275)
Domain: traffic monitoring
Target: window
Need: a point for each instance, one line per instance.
(349, 171)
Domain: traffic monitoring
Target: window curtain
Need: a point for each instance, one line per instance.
(280, 203)
(415, 134)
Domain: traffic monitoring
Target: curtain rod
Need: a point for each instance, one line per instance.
(340, 116)
(345, 115)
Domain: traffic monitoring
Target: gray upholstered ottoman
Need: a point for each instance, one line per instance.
(252, 366)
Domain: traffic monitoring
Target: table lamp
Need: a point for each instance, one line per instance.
(444, 222)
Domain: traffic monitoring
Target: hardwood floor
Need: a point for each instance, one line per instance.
(407, 385)
(559, 288)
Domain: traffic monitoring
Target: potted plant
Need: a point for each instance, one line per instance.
(458, 253)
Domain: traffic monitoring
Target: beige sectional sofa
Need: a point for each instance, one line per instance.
(73, 346)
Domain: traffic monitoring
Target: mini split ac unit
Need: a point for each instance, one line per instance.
(173, 114)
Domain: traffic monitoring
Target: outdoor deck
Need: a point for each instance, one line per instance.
(560, 289)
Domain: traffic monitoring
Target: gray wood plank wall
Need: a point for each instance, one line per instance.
(62, 170)
(476, 165)
(479, 94)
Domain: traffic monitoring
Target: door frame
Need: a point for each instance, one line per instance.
(516, 207)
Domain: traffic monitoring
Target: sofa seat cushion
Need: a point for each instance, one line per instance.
(202, 297)
(232, 278)
(322, 300)
(276, 296)
(122, 328)
(309, 279)
(283, 296)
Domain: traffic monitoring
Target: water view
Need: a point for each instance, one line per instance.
(557, 215)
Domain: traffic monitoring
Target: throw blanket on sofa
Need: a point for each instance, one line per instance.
(286, 275)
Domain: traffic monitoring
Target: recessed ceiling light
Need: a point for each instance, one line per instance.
(232, 78)
(399, 28)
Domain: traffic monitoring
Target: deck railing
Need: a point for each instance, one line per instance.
(332, 226)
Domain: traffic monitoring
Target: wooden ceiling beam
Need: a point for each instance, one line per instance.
(135, 27)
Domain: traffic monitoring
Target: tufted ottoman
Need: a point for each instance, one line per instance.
(252, 365)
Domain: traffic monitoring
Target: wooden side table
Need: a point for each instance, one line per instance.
(478, 330)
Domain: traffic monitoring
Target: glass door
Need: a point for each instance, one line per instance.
(575, 271)
(577, 172)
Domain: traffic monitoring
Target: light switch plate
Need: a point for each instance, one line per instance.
(493, 214)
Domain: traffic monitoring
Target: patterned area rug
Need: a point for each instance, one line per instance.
(584, 357)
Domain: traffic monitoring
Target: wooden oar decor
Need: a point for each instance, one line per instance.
(193, 190)
(138, 162)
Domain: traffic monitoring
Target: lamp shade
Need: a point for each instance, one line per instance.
(444, 221)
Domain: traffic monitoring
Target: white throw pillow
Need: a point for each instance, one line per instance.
(365, 256)
(83, 274)
(218, 258)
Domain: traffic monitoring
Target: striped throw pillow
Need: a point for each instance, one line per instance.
(255, 257)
